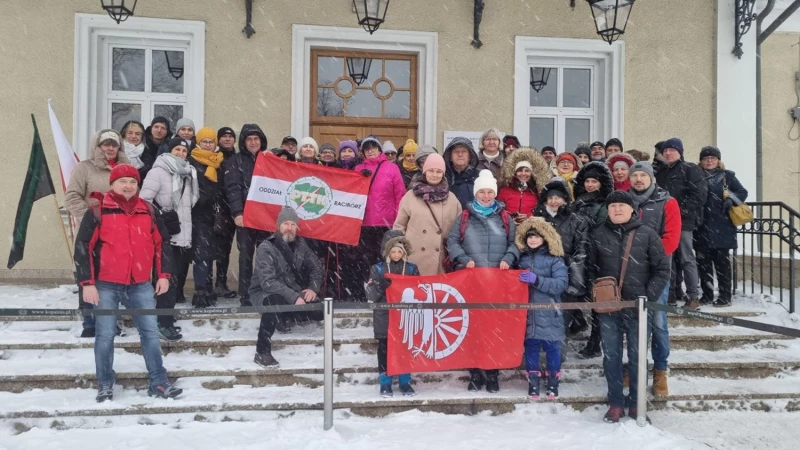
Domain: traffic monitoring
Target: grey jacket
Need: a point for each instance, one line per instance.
(157, 188)
(485, 241)
(273, 277)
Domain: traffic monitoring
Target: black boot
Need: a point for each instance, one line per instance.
(476, 380)
(211, 296)
(592, 349)
(533, 384)
(200, 300)
(552, 384)
(492, 382)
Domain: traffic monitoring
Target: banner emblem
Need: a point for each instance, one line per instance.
(433, 333)
(310, 197)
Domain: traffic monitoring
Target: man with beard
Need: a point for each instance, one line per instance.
(286, 272)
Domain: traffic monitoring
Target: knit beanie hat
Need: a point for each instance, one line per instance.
(410, 147)
(124, 170)
(596, 144)
(583, 149)
(592, 173)
(184, 122)
(620, 197)
(675, 143)
(289, 139)
(287, 214)
(424, 151)
(206, 133)
(388, 147)
(225, 130)
(548, 148)
(532, 232)
(309, 141)
(162, 120)
(327, 146)
(556, 186)
(434, 161)
(645, 167)
(371, 140)
(710, 151)
(568, 156)
(523, 164)
(485, 180)
(177, 140)
(616, 142)
(348, 144)
(111, 135)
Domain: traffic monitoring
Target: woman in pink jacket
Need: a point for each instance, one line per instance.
(383, 202)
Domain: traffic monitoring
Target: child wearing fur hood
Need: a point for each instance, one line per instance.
(395, 251)
(547, 277)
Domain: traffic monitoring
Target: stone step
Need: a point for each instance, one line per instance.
(221, 394)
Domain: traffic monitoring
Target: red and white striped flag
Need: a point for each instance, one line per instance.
(330, 202)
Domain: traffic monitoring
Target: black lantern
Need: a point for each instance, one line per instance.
(119, 10)
(611, 17)
(371, 13)
(744, 18)
(358, 69)
(539, 77)
(177, 70)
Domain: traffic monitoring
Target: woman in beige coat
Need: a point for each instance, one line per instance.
(427, 212)
(92, 175)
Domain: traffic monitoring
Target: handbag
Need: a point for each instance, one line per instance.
(170, 218)
(739, 214)
(447, 263)
(609, 289)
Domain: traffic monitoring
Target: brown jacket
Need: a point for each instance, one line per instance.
(415, 220)
(89, 176)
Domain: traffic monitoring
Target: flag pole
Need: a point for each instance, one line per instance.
(63, 230)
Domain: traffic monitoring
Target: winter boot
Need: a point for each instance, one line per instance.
(211, 296)
(105, 392)
(633, 412)
(720, 303)
(552, 384)
(476, 380)
(266, 360)
(166, 390)
(223, 291)
(245, 300)
(492, 382)
(692, 305)
(200, 300)
(386, 385)
(87, 333)
(405, 385)
(169, 334)
(533, 384)
(614, 414)
(660, 388)
(592, 349)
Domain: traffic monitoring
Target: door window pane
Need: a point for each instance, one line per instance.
(364, 104)
(329, 68)
(548, 95)
(398, 106)
(399, 71)
(173, 113)
(577, 88)
(542, 130)
(576, 130)
(167, 72)
(123, 112)
(127, 68)
(328, 103)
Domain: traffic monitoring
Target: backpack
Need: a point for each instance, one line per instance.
(504, 216)
(97, 209)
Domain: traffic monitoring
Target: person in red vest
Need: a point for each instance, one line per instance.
(121, 242)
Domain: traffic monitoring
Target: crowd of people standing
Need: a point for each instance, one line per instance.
(564, 218)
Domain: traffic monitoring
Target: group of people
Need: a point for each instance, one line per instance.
(566, 219)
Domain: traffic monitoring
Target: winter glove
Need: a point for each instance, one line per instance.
(366, 172)
(727, 205)
(527, 277)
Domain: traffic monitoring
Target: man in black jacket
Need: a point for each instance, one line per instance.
(686, 183)
(646, 275)
(237, 176)
(156, 141)
(224, 228)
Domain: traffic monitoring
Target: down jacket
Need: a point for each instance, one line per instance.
(273, 277)
(238, 170)
(90, 175)
(592, 205)
(686, 183)
(461, 183)
(717, 230)
(376, 288)
(485, 240)
(386, 191)
(551, 279)
(517, 199)
(649, 267)
(157, 188)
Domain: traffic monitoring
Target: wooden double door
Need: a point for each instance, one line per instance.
(355, 94)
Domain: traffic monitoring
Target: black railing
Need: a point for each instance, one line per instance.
(765, 259)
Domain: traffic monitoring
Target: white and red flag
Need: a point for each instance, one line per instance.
(330, 202)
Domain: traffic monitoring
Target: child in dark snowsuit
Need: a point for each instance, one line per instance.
(396, 249)
(547, 278)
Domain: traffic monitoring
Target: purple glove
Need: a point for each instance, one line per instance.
(527, 277)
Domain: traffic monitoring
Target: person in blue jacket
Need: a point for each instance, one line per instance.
(547, 277)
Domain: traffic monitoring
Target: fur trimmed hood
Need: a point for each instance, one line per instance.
(98, 158)
(606, 180)
(388, 244)
(611, 160)
(541, 173)
(545, 230)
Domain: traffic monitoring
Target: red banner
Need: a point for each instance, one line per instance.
(330, 202)
(431, 340)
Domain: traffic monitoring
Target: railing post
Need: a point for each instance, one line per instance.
(641, 373)
(328, 364)
(791, 278)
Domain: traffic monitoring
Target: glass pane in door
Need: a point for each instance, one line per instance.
(329, 68)
(173, 113)
(577, 88)
(576, 131)
(542, 132)
(127, 69)
(167, 71)
(123, 112)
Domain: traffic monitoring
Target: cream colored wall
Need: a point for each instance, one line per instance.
(780, 60)
(669, 77)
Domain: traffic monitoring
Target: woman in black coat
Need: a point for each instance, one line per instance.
(717, 235)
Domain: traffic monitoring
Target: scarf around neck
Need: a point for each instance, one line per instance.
(212, 161)
(622, 185)
(349, 164)
(639, 198)
(180, 169)
(126, 205)
(431, 194)
(410, 166)
(134, 153)
(485, 211)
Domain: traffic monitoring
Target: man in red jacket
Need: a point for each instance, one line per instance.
(119, 244)
(660, 212)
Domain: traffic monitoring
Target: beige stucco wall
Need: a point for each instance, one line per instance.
(669, 76)
(780, 59)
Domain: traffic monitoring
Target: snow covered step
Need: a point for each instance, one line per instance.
(444, 395)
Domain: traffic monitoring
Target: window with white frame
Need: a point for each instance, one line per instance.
(136, 70)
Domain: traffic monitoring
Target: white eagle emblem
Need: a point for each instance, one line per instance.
(434, 333)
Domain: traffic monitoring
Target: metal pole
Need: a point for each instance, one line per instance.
(641, 373)
(328, 363)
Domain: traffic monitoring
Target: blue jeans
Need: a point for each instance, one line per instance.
(659, 331)
(551, 348)
(613, 326)
(131, 296)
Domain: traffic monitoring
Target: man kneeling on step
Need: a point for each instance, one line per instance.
(286, 272)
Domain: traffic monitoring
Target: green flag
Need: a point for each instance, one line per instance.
(38, 184)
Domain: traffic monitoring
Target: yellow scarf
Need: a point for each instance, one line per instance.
(568, 177)
(211, 159)
(410, 167)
